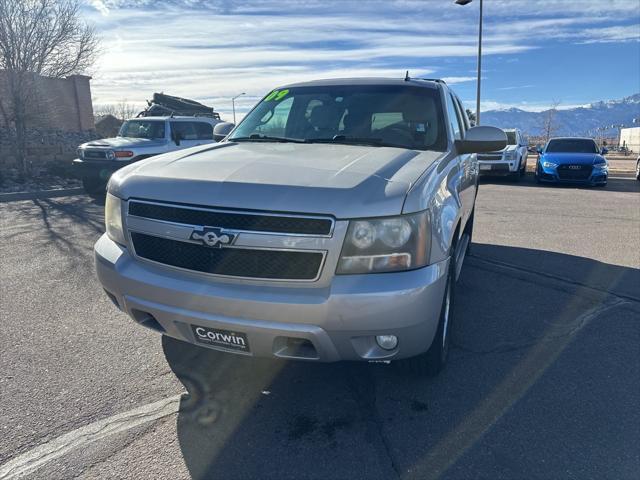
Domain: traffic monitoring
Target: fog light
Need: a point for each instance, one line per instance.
(388, 342)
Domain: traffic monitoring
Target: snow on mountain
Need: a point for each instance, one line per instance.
(573, 121)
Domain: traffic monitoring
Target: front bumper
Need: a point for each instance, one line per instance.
(337, 322)
(598, 176)
(497, 167)
(98, 169)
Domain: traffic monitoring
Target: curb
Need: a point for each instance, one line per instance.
(61, 192)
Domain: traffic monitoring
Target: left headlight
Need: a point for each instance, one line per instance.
(388, 244)
(510, 155)
(113, 219)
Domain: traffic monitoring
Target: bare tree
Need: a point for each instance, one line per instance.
(122, 110)
(549, 124)
(39, 37)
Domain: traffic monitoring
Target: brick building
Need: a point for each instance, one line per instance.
(60, 118)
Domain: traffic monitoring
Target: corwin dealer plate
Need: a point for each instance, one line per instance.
(215, 337)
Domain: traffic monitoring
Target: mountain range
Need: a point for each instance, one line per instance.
(572, 121)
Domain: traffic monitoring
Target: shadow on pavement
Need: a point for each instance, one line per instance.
(616, 183)
(529, 390)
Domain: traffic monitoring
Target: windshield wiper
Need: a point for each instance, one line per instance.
(267, 138)
(377, 142)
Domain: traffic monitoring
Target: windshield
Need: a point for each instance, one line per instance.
(142, 129)
(377, 115)
(511, 138)
(572, 145)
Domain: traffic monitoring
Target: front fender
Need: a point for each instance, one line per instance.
(446, 212)
(438, 190)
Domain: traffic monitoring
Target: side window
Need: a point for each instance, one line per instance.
(463, 115)
(454, 119)
(187, 130)
(274, 122)
(204, 131)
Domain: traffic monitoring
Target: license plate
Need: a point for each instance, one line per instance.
(485, 167)
(215, 337)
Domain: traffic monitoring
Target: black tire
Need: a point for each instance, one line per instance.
(468, 229)
(537, 175)
(433, 361)
(94, 186)
(638, 170)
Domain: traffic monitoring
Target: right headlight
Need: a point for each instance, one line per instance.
(113, 219)
(549, 164)
(387, 244)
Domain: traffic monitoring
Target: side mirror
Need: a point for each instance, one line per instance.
(539, 150)
(604, 151)
(177, 137)
(221, 130)
(482, 139)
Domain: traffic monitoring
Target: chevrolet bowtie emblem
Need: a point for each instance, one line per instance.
(213, 237)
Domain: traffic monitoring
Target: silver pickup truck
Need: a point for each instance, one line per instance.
(330, 224)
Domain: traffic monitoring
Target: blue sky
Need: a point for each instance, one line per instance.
(535, 51)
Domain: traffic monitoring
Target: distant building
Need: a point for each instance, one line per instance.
(630, 138)
(59, 118)
(107, 126)
(56, 104)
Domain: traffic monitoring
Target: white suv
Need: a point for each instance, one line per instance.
(139, 138)
(511, 161)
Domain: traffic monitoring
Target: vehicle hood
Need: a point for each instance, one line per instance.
(572, 158)
(124, 142)
(346, 181)
(505, 149)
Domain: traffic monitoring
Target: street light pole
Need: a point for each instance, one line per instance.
(233, 106)
(466, 2)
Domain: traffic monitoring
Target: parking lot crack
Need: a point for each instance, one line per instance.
(568, 281)
(572, 328)
(363, 387)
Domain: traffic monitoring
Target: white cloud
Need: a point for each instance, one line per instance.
(213, 50)
(100, 6)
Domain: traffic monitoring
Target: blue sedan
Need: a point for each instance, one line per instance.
(572, 160)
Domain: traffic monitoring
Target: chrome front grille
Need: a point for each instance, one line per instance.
(489, 157)
(242, 221)
(88, 154)
(264, 245)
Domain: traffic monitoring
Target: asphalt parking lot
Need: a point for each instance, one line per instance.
(544, 379)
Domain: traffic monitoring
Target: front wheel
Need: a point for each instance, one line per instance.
(638, 170)
(94, 186)
(537, 174)
(433, 361)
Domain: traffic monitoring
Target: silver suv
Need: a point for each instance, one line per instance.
(139, 138)
(330, 224)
